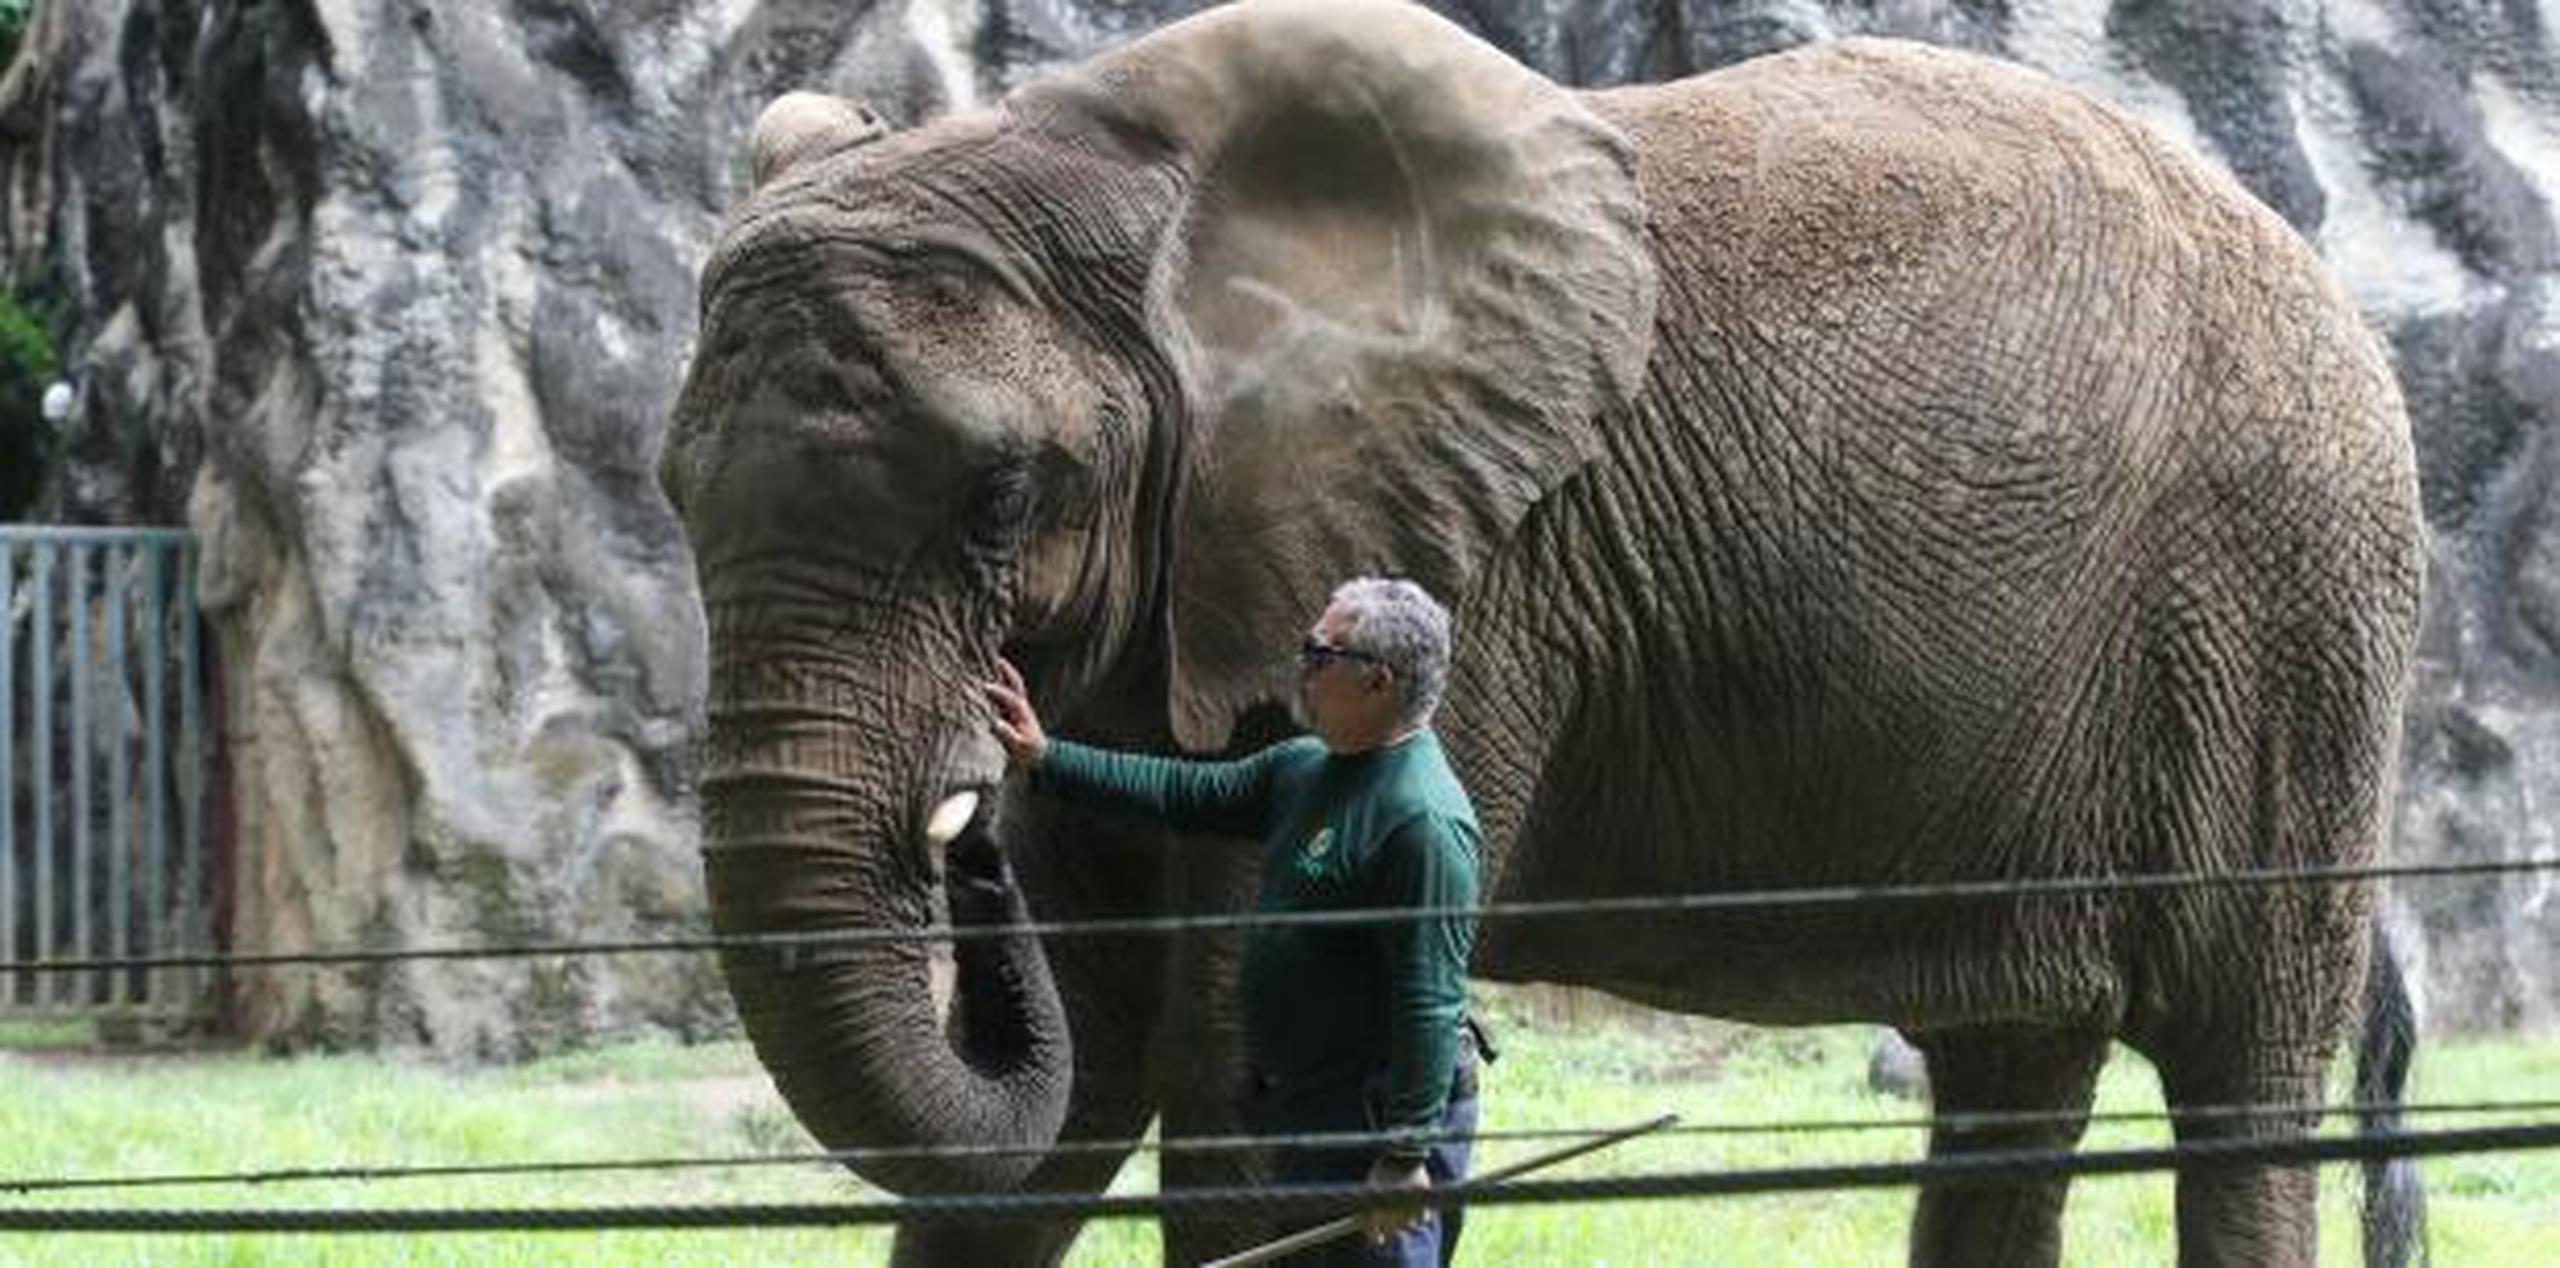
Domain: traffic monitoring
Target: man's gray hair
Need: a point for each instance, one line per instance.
(1408, 631)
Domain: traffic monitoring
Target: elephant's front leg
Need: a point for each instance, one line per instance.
(1105, 1109)
(979, 1243)
(1082, 867)
(1198, 1057)
(1994, 1070)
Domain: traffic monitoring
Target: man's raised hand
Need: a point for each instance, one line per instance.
(1016, 724)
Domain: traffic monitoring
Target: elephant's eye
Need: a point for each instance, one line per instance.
(1002, 504)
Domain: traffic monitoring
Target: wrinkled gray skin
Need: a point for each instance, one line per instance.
(1868, 464)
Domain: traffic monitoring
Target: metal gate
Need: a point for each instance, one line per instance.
(102, 769)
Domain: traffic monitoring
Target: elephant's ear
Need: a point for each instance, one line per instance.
(797, 127)
(1409, 276)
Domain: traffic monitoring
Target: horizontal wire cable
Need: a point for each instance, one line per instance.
(792, 945)
(1974, 1121)
(1670, 904)
(1957, 1170)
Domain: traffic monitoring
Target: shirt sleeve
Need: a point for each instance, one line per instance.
(1427, 863)
(1189, 796)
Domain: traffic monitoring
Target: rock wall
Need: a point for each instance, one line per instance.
(388, 297)
(388, 300)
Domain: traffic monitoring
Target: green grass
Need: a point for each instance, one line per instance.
(72, 1110)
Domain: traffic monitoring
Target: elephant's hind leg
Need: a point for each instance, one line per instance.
(2261, 1217)
(1995, 1070)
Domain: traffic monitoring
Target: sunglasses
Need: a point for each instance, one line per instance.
(1315, 654)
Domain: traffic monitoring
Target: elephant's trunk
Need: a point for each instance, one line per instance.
(793, 842)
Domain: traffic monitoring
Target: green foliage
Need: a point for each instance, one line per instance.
(13, 23)
(72, 1112)
(29, 445)
(47, 1036)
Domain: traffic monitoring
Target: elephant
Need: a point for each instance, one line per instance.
(1868, 464)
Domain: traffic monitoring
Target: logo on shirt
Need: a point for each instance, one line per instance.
(1316, 846)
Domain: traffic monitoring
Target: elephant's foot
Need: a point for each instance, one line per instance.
(2261, 1217)
(981, 1245)
(2002, 1070)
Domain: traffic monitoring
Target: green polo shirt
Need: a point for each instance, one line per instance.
(1328, 1006)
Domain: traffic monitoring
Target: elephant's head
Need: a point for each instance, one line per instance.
(1115, 379)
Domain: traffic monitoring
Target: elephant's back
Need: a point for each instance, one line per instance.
(1975, 313)
(1897, 147)
(2015, 417)
(1866, 187)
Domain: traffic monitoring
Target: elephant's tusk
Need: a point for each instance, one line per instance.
(949, 818)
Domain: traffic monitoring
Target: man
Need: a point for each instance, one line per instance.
(1348, 1028)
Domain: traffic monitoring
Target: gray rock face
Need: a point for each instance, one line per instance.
(390, 297)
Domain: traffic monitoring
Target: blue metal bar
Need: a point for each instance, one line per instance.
(155, 764)
(116, 591)
(192, 927)
(9, 764)
(41, 764)
(75, 589)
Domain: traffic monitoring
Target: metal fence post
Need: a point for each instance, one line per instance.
(193, 929)
(75, 590)
(40, 770)
(117, 587)
(8, 765)
(155, 756)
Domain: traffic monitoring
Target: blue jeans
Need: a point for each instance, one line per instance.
(1433, 1243)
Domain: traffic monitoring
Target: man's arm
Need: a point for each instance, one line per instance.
(1227, 797)
(1189, 796)
(1427, 863)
